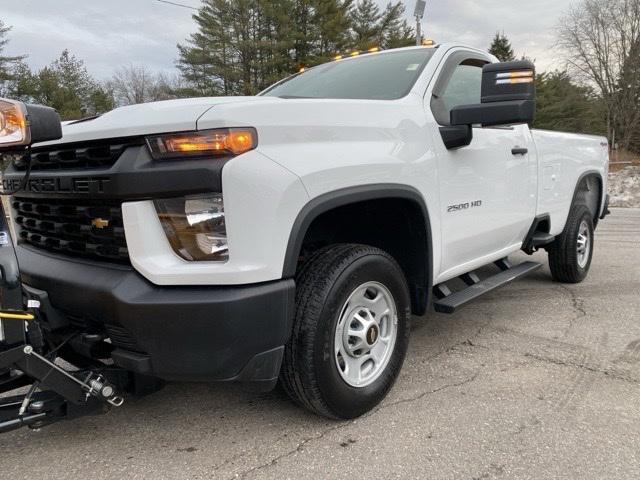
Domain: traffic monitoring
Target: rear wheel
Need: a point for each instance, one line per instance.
(570, 254)
(351, 331)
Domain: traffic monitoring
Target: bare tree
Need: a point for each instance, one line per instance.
(601, 40)
(137, 84)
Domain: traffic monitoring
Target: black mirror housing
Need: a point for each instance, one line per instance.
(44, 123)
(508, 81)
(508, 96)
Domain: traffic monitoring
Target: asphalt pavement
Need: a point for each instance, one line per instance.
(537, 380)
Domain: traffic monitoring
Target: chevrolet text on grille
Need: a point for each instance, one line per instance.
(88, 185)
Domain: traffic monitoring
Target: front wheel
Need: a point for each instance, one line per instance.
(350, 333)
(570, 254)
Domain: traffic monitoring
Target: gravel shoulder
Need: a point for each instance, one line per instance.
(624, 187)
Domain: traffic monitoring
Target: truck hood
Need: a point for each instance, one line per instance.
(144, 119)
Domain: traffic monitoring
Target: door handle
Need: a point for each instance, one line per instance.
(519, 151)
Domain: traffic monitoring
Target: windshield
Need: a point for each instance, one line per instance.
(377, 76)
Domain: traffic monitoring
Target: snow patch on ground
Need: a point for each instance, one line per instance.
(624, 187)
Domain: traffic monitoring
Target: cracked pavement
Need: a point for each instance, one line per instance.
(535, 380)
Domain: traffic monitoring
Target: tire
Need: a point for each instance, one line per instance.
(320, 357)
(567, 263)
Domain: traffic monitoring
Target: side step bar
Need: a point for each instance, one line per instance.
(450, 302)
(540, 239)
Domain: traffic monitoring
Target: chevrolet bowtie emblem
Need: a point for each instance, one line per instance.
(100, 223)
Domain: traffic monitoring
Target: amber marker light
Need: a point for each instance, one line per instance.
(525, 76)
(217, 143)
(374, 49)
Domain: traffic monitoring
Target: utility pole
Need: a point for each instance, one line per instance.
(419, 13)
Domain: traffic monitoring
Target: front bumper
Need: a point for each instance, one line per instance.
(186, 333)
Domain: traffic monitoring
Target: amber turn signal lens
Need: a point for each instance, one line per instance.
(217, 143)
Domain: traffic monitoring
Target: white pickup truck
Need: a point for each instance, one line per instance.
(290, 236)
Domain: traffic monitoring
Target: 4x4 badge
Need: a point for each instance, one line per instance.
(100, 223)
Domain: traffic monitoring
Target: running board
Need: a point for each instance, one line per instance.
(452, 301)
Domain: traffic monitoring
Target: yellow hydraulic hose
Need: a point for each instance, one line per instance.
(16, 316)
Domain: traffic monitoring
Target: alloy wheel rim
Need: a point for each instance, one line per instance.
(365, 335)
(583, 244)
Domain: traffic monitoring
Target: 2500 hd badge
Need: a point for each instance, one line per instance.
(464, 206)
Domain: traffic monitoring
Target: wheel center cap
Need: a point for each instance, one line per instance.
(372, 334)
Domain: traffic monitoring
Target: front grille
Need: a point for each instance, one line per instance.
(79, 228)
(78, 156)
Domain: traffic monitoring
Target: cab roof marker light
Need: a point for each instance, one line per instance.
(354, 53)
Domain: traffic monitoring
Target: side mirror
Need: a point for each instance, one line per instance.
(22, 125)
(508, 97)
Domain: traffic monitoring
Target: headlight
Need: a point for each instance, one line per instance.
(224, 142)
(195, 226)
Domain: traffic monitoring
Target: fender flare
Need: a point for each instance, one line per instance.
(346, 196)
(601, 194)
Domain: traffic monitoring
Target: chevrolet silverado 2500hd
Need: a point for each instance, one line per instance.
(291, 235)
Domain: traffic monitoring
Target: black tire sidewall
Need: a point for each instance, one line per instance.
(563, 257)
(586, 216)
(582, 214)
(342, 399)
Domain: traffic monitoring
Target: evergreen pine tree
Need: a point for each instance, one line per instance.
(205, 61)
(372, 28)
(562, 105)
(365, 25)
(243, 46)
(331, 25)
(64, 85)
(395, 31)
(501, 48)
(7, 64)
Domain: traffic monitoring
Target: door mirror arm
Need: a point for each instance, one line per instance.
(456, 136)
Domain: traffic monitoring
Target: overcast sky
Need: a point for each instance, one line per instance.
(109, 33)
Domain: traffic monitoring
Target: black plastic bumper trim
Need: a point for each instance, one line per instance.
(192, 333)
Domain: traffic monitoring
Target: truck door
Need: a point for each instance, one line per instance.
(487, 189)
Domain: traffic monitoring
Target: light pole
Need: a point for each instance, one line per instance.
(419, 13)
